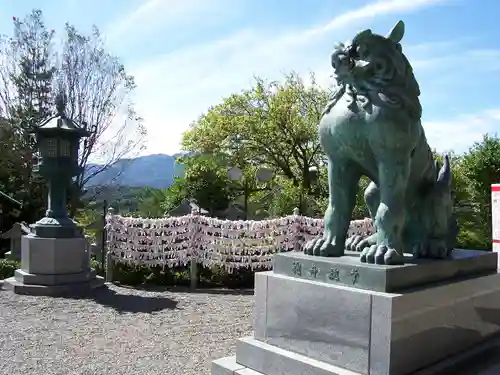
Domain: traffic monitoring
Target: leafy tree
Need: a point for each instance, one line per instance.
(283, 198)
(86, 216)
(272, 124)
(28, 99)
(479, 168)
(206, 181)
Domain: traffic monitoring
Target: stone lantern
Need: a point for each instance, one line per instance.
(55, 256)
(58, 141)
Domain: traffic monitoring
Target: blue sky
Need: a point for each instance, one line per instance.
(188, 54)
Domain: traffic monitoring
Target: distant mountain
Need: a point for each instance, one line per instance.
(157, 171)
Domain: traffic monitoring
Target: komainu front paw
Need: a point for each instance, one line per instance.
(325, 246)
(437, 249)
(381, 254)
(359, 243)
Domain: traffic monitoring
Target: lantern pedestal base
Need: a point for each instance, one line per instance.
(57, 227)
(54, 267)
(63, 290)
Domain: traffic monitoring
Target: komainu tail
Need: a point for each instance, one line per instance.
(444, 174)
(443, 182)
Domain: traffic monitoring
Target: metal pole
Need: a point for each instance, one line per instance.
(103, 237)
(193, 264)
(301, 200)
(245, 199)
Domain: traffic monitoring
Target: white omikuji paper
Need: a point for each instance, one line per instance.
(175, 241)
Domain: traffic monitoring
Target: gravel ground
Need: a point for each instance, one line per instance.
(121, 331)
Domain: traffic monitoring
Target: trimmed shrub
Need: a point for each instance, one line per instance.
(214, 277)
(7, 268)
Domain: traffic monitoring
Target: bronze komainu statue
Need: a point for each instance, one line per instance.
(372, 126)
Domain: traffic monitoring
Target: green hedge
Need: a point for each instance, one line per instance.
(178, 276)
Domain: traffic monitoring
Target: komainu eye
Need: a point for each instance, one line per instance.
(361, 52)
(354, 51)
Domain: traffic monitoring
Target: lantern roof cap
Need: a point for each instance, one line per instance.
(60, 122)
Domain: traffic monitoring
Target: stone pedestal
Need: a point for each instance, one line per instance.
(54, 267)
(320, 316)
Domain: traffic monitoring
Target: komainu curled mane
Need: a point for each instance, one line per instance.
(372, 127)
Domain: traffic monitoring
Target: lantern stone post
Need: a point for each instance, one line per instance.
(55, 256)
(263, 174)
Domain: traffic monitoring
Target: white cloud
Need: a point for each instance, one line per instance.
(460, 132)
(174, 89)
(370, 11)
(154, 13)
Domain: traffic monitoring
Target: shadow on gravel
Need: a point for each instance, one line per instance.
(129, 303)
(180, 289)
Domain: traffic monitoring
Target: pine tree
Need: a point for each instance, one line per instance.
(31, 74)
(35, 71)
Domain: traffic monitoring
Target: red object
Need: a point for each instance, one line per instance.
(496, 241)
(495, 188)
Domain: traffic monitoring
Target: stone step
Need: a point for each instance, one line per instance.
(254, 357)
(225, 366)
(271, 360)
(247, 371)
(229, 366)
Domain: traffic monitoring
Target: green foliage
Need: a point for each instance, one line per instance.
(361, 210)
(97, 266)
(272, 124)
(479, 169)
(122, 198)
(87, 216)
(284, 198)
(7, 268)
(175, 194)
(473, 174)
(287, 196)
(204, 180)
(33, 72)
(26, 76)
(180, 276)
(151, 202)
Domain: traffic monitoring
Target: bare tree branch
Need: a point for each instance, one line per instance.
(98, 90)
(95, 82)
